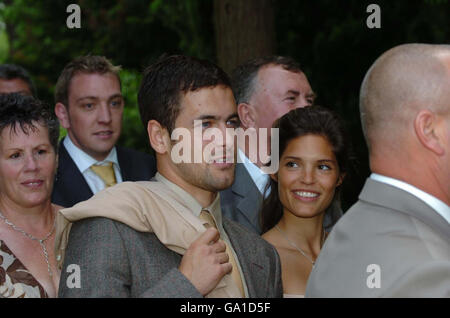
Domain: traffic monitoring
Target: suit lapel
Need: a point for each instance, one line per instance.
(70, 183)
(382, 194)
(125, 165)
(250, 259)
(249, 197)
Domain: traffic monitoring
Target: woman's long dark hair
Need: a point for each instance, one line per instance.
(313, 120)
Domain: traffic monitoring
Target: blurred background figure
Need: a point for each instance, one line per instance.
(28, 160)
(15, 79)
(314, 157)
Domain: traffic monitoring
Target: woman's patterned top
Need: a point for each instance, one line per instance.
(15, 280)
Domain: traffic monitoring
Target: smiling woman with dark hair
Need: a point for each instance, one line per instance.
(314, 153)
(28, 139)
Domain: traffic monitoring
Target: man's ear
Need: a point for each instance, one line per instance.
(62, 113)
(428, 127)
(247, 115)
(158, 136)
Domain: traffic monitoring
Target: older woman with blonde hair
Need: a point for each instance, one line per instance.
(28, 160)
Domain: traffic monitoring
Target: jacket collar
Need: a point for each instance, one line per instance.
(391, 197)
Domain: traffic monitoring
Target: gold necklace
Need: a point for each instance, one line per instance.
(298, 248)
(40, 241)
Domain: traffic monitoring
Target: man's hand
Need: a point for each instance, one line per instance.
(205, 261)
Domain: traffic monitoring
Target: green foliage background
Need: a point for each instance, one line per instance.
(329, 37)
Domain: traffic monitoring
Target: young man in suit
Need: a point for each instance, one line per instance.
(395, 241)
(265, 89)
(89, 104)
(15, 79)
(167, 237)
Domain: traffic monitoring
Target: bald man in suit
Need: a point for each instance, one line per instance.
(395, 241)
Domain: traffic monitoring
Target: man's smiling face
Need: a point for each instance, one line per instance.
(95, 110)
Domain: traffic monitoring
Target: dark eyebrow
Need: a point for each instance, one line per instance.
(212, 117)
(86, 97)
(115, 96)
(203, 117)
(327, 160)
(297, 158)
(232, 116)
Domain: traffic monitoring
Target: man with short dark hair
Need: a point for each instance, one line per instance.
(15, 79)
(167, 237)
(89, 104)
(265, 89)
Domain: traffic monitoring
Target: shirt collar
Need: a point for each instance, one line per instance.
(436, 204)
(258, 176)
(82, 160)
(191, 203)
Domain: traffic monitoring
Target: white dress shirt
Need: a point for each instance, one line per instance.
(258, 176)
(437, 205)
(83, 162)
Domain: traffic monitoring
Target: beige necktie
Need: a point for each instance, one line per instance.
(235, 274)
(106, 173)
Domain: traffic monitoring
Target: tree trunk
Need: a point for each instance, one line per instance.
(10, 31)
(244, 29)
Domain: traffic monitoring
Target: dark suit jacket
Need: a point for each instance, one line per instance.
(389, 236)
(242, 201)
(70, 187)
(117, 261)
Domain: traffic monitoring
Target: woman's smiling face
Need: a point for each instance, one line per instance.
(27, 166)
(308, 176)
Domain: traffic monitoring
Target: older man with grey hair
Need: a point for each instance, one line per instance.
(265, 89)
(395, 241)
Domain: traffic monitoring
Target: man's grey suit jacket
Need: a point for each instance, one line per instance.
(242, 201)
(117, 261)
(388, 237)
